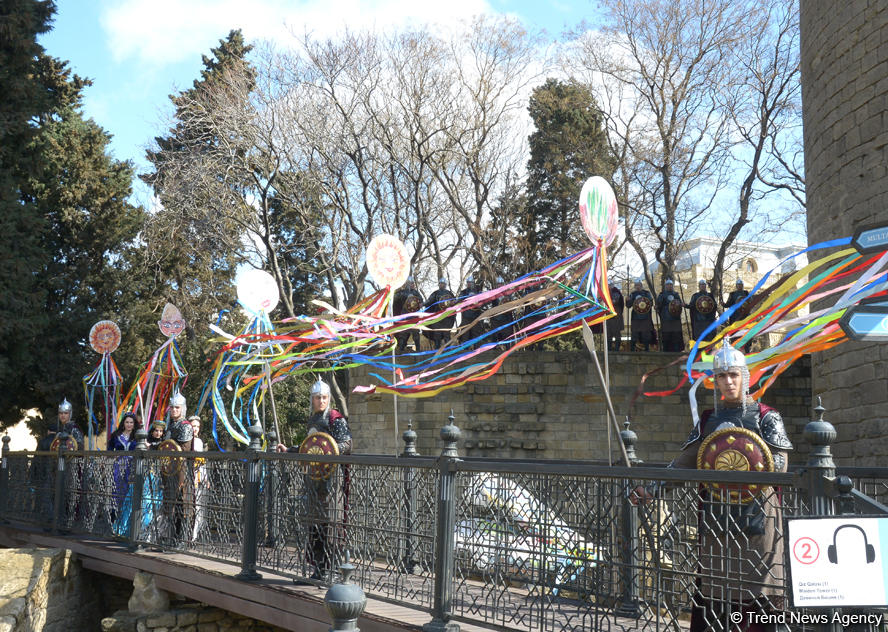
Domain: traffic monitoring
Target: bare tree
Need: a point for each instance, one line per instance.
(765, 110)
(658, 69)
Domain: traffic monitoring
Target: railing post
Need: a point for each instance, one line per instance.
(270, 475)
(442, 605)
(409, 437)
(4, 480)
(59, 493)
(251, 507)
(818, 477)
(139, 465)
(821, 469)
(629, 606)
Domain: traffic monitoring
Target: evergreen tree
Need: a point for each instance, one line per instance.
(66, 222)
(568, 146)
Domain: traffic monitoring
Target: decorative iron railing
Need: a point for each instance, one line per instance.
(507, 544)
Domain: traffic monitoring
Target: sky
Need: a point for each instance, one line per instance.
(138, 52)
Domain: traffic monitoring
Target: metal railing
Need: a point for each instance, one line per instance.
(508, 544)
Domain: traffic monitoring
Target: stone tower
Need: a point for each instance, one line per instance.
(844, 52)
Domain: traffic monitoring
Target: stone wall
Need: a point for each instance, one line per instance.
(187, 617)
(550, 405)
(844, 48)
(47, 590)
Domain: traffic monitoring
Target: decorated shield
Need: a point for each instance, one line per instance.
(736, 450)
(412, 304)
(320, 443)
(70, 443)
(675, 306)
(642, 305)
(704, 304)
(170, 465)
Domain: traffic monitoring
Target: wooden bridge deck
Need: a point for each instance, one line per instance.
(273, 599)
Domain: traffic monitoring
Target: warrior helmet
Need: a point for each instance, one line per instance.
(669, 282)
(442, 281)
(181, 432)
(320, 388)
(739, 282)
(701, 282)
(65, 406)
(179, 400)
(725, 359)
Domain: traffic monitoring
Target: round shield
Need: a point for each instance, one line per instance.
(412, 304)
(737, 450)
(70, 443)
(170, 465)
(675, 306)
(642, 305)
(744, 310)
(320, 443)
(704, 304)
(446, 300)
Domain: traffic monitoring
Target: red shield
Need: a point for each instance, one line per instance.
(70, 443)
(170, 465)
(320, 443)
(737, 450)
(705, 304)
(642, 305)
(675, 307)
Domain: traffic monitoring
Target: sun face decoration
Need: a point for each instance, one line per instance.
(104, 337)
(387, 260)
(171, 322)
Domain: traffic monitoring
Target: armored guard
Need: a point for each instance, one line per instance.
(440, 300)
(325, 486)
(736, 297)
(741, 523)
(406, 301)
(641, 322)
(66, 422)
(703, 311)
(614, 326)
(178, 429)
(669, 308)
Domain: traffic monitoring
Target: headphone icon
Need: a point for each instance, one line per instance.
(832, 554)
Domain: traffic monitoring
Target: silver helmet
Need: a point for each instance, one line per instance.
(178, 399)
(65, 406)
(723, 360)
(320, 388)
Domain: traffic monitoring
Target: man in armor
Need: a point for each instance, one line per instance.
(326, 499)
(641, 322)
(441, 299)
(406, 301)
(669, 308)
(735, 297)
(66, 423)
(746, 534)
(501, 324)
(703, 311)
(178, 479)
(471, 315)
(615, 325)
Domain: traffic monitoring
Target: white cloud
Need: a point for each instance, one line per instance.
(168, 31)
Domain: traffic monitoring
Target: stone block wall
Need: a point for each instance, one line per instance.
(844, 49)
(47, 590)
(550, 405)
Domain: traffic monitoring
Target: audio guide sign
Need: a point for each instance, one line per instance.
(839, 561)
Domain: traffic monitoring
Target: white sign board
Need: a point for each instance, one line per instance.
(838, 561)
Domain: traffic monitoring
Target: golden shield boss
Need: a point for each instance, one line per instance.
(320, 443)
(735, 450)
(170, 465)
(704, 304)
(642, 305)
